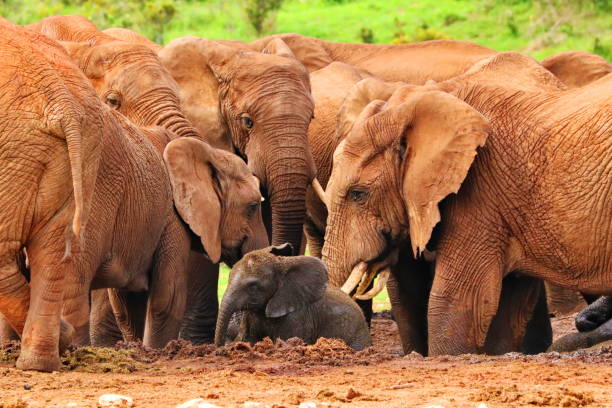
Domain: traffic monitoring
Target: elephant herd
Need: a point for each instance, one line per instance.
(461, 178)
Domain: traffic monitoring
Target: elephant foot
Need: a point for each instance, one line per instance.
(67, 333)
(29, 361)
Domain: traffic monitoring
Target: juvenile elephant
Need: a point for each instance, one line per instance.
(284, 297)
(520, 208)
(51, 136)
(577, 68)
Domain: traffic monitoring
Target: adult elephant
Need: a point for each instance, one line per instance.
(49, 155)
(577, 68)
(130, 78)
(257, 104)
(415, 63)
(511, 213)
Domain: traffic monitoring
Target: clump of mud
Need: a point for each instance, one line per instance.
(550, 397)
(9, 352)
(100, 360)
(86, 359)
(15, 404)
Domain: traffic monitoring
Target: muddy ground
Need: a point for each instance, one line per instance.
(285, 374)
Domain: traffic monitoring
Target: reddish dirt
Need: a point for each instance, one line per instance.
(285, 374)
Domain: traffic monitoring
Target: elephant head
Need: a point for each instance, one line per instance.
(128, 76)
(218, 197)
(257, 104)
(273, 282)
(404, 149)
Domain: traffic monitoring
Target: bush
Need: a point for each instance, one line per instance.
(366, 35)
(261, 13)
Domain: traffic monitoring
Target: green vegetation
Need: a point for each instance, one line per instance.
(537, 27)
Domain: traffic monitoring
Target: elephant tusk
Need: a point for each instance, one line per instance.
(356, 274)
(379, 285)
(366, 280)
(320, 192)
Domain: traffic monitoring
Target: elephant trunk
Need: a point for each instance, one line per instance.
(176, 122)
(289, 174)
(332, 253)
(227, 309)
(161, 107)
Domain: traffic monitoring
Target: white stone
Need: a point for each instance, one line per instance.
(197, 403)
(252, 404)
(115, 401)
(308, 404)
(482, 405)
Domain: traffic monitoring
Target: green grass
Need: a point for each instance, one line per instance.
(537, 27)
(522, 25)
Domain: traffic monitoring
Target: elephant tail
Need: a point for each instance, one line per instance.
(72, 130)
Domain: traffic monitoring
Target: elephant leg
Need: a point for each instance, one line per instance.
(168, 290)
(408, 288)
(562, 301)
(41, 333)
(466, 287)
(519, 297)
(117, 315)
(14, 288)
(539, 333)
(104, 331)
(201, 315)
(76, 309)
(7, 334)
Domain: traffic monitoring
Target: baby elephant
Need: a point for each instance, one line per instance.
(281, 296)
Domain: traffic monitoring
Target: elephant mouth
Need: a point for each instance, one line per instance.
(364, 273)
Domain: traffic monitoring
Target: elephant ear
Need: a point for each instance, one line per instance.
(309, 51)
(285, 249)
(278, 47)
(303, 281)
(87, 57)
(359, 96)
(193, 170)
(439, 138)
(436, 136)
(196, 64)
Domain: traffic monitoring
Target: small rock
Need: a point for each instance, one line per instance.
(27, 387)
(352, 394)
(413, 355)
(482, 404)
(308, 404)
(115, 401)
(72, 404)
(197, 403)
(252, 404)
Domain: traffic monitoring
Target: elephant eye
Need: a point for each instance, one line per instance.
(253, 287)
(357, 195)
(113, 100)
(248, 122)
(252, 208)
